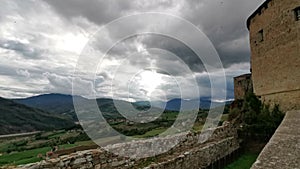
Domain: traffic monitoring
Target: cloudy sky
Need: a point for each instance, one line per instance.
(41, 42)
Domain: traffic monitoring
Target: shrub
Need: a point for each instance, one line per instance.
(234, 114)
(258, 121)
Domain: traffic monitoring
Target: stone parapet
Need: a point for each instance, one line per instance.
(283, 150)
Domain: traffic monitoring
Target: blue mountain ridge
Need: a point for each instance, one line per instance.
(63, 104)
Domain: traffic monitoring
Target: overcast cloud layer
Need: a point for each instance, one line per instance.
(40, 42)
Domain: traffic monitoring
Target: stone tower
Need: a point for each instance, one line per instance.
(242, 85)
(275, 52)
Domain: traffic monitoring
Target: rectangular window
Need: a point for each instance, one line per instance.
(261, 35)
(297, 13)
(239, 82)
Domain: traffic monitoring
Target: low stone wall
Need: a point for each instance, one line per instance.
(283, 150)
(199, 157)
(190, 153)
(187, 141)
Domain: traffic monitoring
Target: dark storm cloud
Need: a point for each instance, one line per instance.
(178, 48)
(97, 11)
(179, 53)
(26, 50)
(103, 11)
(222, 21)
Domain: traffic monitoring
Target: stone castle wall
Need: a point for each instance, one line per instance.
(287, 100)
(189, 153)
(275, 53)
(242, 85)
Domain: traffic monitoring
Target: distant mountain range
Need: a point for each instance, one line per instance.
(204, 103)
(18, 118)
(52, 111)
(63, 104)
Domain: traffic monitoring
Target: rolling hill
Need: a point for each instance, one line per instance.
(175, 104)
(63, 104)
(18, 118)
(53, 103)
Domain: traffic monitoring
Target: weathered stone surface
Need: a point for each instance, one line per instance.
(275, 51)
(79, 161)
(283, 150)
(190, 153)
(242, 85)
(199, 157)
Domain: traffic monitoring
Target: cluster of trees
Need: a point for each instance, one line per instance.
(22, 145)
(166, 120)
(82, 136)
(15, 146)
(134, 131)
(256, 120)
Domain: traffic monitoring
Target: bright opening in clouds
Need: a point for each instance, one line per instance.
(148, 81)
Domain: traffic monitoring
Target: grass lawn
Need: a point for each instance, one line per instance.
(66, 146)
(57, 135)
(244, 162)
(28, 156)
(151, 133)
(84, 143)
(23, 157)
(197, 126)
(224, 117)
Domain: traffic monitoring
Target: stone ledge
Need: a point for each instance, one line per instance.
(283, 150)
